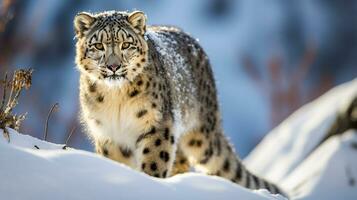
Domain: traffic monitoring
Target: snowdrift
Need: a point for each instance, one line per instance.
(53, 173)
(328, 172)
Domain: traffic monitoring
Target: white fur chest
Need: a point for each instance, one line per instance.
(114, 119)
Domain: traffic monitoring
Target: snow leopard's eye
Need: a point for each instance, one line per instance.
(99, 46)
(125, 45)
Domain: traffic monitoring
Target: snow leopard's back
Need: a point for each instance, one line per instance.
(187, 69)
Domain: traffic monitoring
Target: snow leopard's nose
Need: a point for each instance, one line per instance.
(113, 67)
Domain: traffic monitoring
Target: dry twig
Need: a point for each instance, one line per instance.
(53, 108)
(69, 136)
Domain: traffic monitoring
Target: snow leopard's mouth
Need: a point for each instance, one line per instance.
(115, 80)
(113, 77)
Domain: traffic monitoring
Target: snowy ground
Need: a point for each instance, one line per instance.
(53, 173)
(35, 169)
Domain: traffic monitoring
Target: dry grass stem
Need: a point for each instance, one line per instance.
(21, 80)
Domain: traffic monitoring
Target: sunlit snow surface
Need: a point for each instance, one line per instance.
(53, 173)
(330, 172)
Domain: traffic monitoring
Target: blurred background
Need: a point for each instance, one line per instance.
(268, 57)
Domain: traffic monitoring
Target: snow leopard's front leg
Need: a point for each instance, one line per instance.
(155, 151)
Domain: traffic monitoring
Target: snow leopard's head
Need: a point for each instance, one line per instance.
(110, 45)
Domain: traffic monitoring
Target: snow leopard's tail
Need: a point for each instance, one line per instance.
(249, 180)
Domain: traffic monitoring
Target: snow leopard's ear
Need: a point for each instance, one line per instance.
(82, 22)
(138, 20)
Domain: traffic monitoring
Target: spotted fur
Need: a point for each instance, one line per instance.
(148, 99)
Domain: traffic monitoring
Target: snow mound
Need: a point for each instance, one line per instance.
(330, 172)
(291, 142)
(50, 172)
(327, 172)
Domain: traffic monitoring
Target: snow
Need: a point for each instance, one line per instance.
(290, 142)
(53, 173)
(330, 171)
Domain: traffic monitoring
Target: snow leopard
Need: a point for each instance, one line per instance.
(148, 99)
